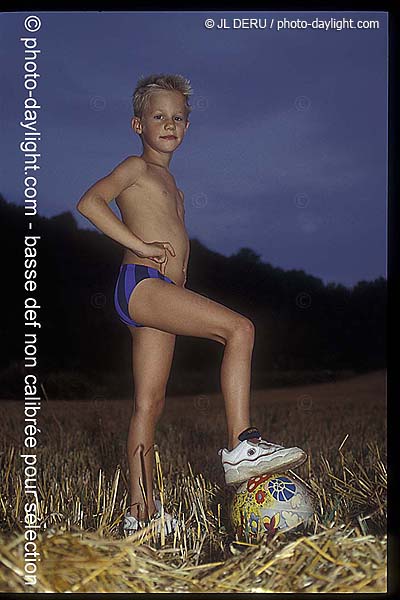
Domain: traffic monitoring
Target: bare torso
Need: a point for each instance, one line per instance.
(152, 210)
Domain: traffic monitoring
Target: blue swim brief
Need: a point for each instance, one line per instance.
(129, 276)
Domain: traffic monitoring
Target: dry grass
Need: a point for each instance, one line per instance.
(83, 494)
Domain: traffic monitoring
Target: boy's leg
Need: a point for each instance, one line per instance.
(152, 353)
(176, 310)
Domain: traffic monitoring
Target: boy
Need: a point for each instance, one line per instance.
(151, 298)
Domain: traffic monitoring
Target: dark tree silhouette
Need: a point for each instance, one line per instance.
(300, 322)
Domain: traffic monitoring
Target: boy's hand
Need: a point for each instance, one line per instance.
(156, 251)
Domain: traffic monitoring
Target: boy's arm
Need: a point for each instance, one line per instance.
(94, 203)
(181, 211)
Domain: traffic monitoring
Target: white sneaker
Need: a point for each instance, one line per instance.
(131, 524)
(254, 456)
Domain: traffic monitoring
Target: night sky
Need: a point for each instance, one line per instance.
(287, 148)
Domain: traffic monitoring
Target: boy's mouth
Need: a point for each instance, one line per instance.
(168, 137)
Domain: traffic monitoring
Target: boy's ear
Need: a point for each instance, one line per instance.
(136, 125)
(187, 124)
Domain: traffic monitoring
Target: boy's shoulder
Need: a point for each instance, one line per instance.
(131, 168)
(134, 161)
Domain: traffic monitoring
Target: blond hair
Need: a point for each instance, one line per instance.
(148, 85)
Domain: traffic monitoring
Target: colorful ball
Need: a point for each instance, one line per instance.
(266, 504)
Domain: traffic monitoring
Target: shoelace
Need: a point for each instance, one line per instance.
(269, 446)
(260, 442)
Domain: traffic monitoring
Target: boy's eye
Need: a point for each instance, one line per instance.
(159, 116)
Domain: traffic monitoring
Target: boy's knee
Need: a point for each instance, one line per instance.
(151, 404)
(240, 327)
(245, 327)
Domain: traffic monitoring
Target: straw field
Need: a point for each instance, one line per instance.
(82, 483)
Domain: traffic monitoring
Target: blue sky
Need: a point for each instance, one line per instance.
(287, 148)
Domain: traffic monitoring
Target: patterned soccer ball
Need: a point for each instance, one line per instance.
(269, 503)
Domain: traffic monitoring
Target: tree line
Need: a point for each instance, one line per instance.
(301, 323)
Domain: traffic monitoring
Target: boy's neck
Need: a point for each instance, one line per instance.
(159, 161)
(156, 164)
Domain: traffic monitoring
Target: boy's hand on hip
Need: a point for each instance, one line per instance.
(157, 251)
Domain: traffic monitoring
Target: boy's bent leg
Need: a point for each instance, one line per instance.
(152, 354)
(177, 310)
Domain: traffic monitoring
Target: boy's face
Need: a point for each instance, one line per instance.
(163, 117)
